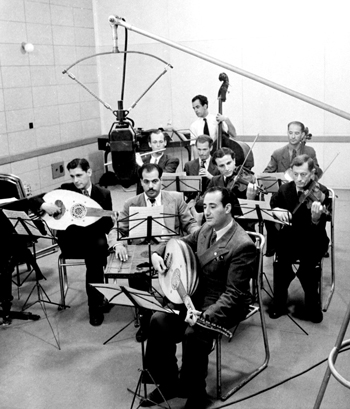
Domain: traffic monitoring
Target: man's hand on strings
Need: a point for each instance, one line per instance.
(121, 252)
(192, 316)
(158, 263)
(50, 208)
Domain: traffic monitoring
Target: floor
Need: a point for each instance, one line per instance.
(60, 361)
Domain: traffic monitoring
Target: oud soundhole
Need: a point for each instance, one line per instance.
(78, 211)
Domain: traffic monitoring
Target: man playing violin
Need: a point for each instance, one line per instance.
(226, 258)
(303, 238)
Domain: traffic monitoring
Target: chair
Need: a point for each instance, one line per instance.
(11, 186)
(63, 263)
(257, 307)
(320, 265)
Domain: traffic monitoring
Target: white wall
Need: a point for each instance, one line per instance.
(302, 45)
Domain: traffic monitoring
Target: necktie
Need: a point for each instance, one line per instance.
(206, 129)
(203, 163)
(294, 154)
(85, 192)
(213, 238)
(152, 201)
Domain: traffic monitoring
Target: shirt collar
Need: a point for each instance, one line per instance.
(221, 232)
(158, 201)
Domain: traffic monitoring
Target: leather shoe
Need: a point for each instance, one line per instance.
(96, 318)
(316, 316)
(277, 313)
(200, 401)
(155, 397)
(141, 335)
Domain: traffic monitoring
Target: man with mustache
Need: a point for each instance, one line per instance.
(150, 175)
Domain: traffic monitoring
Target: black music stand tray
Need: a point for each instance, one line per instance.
(146, 228)
(262, 212)
(181, 183)
(271, 182)
(24, 226)
(142, 299)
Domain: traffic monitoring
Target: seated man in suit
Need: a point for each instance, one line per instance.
(281, 160)
(88, 242)
(168, 164)
(203, 166)
(226, 259)
(305, 239)
(150, 175)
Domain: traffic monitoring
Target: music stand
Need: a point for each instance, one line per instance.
(181, 183)
(261, 212)
(271, 182)
(23, 225)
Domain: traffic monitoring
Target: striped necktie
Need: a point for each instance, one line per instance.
(85, 192)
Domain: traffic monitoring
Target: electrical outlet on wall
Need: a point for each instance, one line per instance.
(57, 170)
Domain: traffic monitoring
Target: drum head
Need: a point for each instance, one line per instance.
(181, 263)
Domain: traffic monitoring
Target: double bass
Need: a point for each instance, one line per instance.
(241, 149)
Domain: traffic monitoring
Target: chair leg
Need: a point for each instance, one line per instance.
(218, 367)
(62, 273)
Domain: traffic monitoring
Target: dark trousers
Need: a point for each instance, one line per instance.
(309, 253)
(94, 250)
(166, 331)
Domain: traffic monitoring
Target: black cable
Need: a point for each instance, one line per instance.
(124, 64)
(279, 383)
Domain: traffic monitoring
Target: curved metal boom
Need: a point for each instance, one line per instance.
(120, 22)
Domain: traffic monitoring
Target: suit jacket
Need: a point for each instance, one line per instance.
(224, 271)
(173, 204)
(280, 159)
(192, 169)
(302, 235)
(168, 163)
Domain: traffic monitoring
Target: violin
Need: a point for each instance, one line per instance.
(246, 180)
(312, 193)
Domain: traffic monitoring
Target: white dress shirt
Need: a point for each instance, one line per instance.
(197, 127)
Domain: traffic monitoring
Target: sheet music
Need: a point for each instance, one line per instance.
(249, 211)
(138, 222)
(14, 217)
(186, 183)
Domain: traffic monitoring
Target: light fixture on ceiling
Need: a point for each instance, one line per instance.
(27, 47)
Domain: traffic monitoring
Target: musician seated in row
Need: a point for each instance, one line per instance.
(281, 160)
(150, 175)
(203, 166)
(226, 258)
(305, 239)
(90, 242)
(157, 141)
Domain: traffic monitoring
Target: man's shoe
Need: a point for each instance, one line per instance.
(141, 335)
(200, 401)
(277, 313)
(316, 316)
(270, 253)
(96, 318)
(155, 397)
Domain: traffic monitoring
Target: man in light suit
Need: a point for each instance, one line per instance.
(150, 175)
(226, 261)
(88, 242)
(157, 141)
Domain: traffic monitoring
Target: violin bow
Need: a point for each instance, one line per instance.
(245, 159)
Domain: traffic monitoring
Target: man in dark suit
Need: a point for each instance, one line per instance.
(204, 165)
(88, 242)
(304, 239)
(169, 164)
(226, 260)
